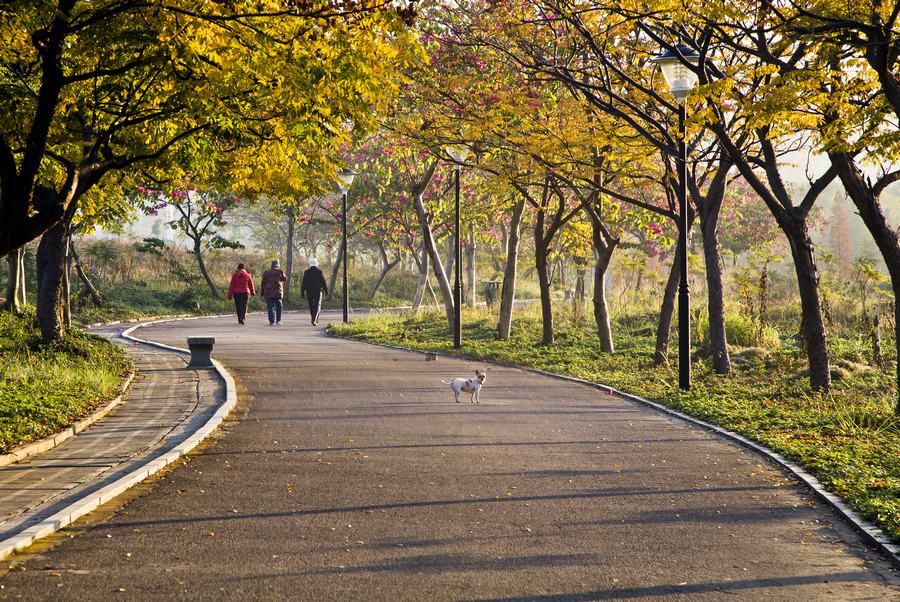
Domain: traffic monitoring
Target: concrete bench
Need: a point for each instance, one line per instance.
(201, 348)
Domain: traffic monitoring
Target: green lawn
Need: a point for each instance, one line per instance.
(849, 438)
(43, 389)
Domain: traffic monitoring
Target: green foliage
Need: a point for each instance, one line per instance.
(745, 331)
(151, 245)
(43, 389)
(217, 242)
(849, 438)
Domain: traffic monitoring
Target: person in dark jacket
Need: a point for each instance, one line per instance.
(240, 289)
(312, 287)
(273, 290)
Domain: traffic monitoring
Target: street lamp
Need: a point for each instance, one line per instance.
(681, 80)
(344, 181)
(458, 154)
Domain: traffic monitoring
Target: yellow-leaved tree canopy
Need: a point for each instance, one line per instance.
(239, 89)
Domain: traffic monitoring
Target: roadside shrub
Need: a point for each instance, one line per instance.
(744, 331)
(741, 331)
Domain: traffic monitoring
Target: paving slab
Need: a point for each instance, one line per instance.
(353, 475)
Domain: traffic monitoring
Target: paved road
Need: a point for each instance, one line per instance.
(353, 475)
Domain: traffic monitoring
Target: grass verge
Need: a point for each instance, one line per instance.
(849, 438)
(45, 388)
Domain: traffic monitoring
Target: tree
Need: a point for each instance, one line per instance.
(750, 224)
(508, 293)
(200, 214)
(598, 56)
(750, 104)
(858, 119)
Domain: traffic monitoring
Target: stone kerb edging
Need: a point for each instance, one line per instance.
(73, 512)
(869, 530)
(47, 443)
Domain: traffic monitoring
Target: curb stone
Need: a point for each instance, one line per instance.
(870, 532)
(76, 510)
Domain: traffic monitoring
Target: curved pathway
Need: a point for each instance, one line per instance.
(353, 475)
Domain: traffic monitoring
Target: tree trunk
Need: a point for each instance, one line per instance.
(541, 251)
(21, 291)
(335, 269)
(602, 256)
(289, 255)
(428, 241)
(895, 283)
(386, 266)
(718, 342)
(604, 244)
(67, 283)
(437, 266)
(434, 299)
(198, 254)
(561, 276)
(709, 206)
(812, 326)
(508, 295)
(15, 280)
(423, 280)
(85, 281)
(51, 266)
(667, 311)
(470, 267)
(451, 253)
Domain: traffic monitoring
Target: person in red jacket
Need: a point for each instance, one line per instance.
(240, 289)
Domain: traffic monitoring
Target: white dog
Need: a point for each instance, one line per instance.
(467, 385)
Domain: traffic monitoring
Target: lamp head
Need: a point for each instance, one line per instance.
(345, 179)
(678, 76)
(457, 153)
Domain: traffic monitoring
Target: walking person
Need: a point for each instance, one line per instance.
(312, 287)
(240, 289)
(273, 290)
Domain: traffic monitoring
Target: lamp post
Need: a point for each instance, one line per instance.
(681, 80)
(344, 181)
(458, 154)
